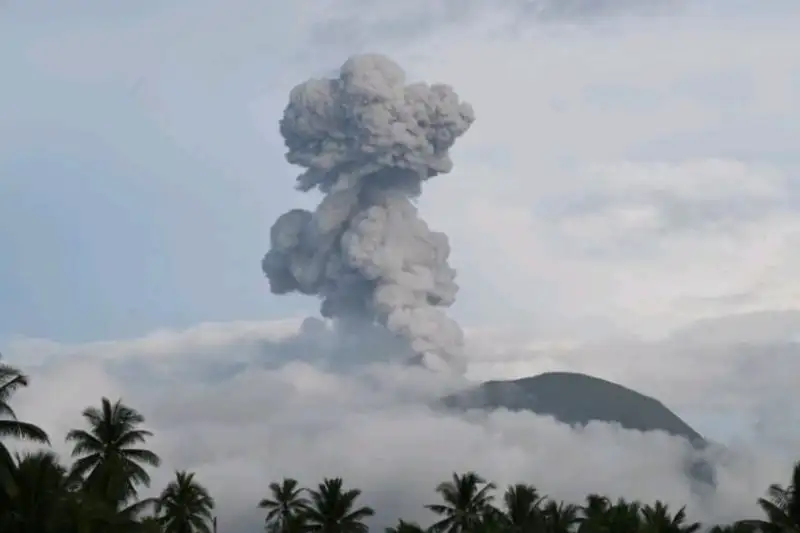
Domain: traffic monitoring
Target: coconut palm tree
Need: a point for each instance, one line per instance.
(594, 514)
(521, 511)
(107, 459)
(46, 500)
(600, 515)
(133, 518)
(38, 497)
(782, 506)
(624, 516)
(332, 509)
(559, 517)
(185, 506)
(11, 381)
(467, 499)
(284, 506)
(493, 521)
(656, 518)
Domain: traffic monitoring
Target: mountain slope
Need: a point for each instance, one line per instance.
(578, 399)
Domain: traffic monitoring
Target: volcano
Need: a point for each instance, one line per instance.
(578, 399)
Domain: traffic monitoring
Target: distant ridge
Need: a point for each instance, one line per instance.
(577, 399)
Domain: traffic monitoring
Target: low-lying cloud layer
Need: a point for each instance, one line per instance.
(245, 404)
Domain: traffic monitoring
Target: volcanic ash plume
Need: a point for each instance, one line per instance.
(368, 141)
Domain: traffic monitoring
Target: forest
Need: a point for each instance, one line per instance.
(99, 492)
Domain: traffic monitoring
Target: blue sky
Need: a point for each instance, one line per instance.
(128, 200)
(140, 169)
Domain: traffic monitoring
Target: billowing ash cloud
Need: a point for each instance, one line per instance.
(368, 141)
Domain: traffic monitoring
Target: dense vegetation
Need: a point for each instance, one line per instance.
(99, 493)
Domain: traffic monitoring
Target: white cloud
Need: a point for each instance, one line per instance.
(560, 212)
(372, 424)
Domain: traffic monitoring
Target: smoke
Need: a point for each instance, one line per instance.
(368, 141)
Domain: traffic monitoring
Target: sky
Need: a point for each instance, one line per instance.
(141, 166)
(631, 177)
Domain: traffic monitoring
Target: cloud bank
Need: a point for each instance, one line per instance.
(242, 406)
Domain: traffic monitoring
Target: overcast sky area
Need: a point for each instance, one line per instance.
(625, 205)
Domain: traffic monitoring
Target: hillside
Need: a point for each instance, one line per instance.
(578, 399)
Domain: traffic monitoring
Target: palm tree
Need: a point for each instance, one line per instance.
(493, 521)
(657, 518)
(521, 508)
(185, 506)
(11, 381)
(45, 500)
(624, 516)
(132, 518)
(782, 506)
(38, 497)
(284, 506)
(600, 515)
(559, 517)
(108, 462)
(467, 499)
(332, 509)
(594, 514)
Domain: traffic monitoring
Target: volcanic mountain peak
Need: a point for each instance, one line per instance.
(577, 399)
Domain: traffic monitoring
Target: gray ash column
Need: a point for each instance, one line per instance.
(368, 141)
